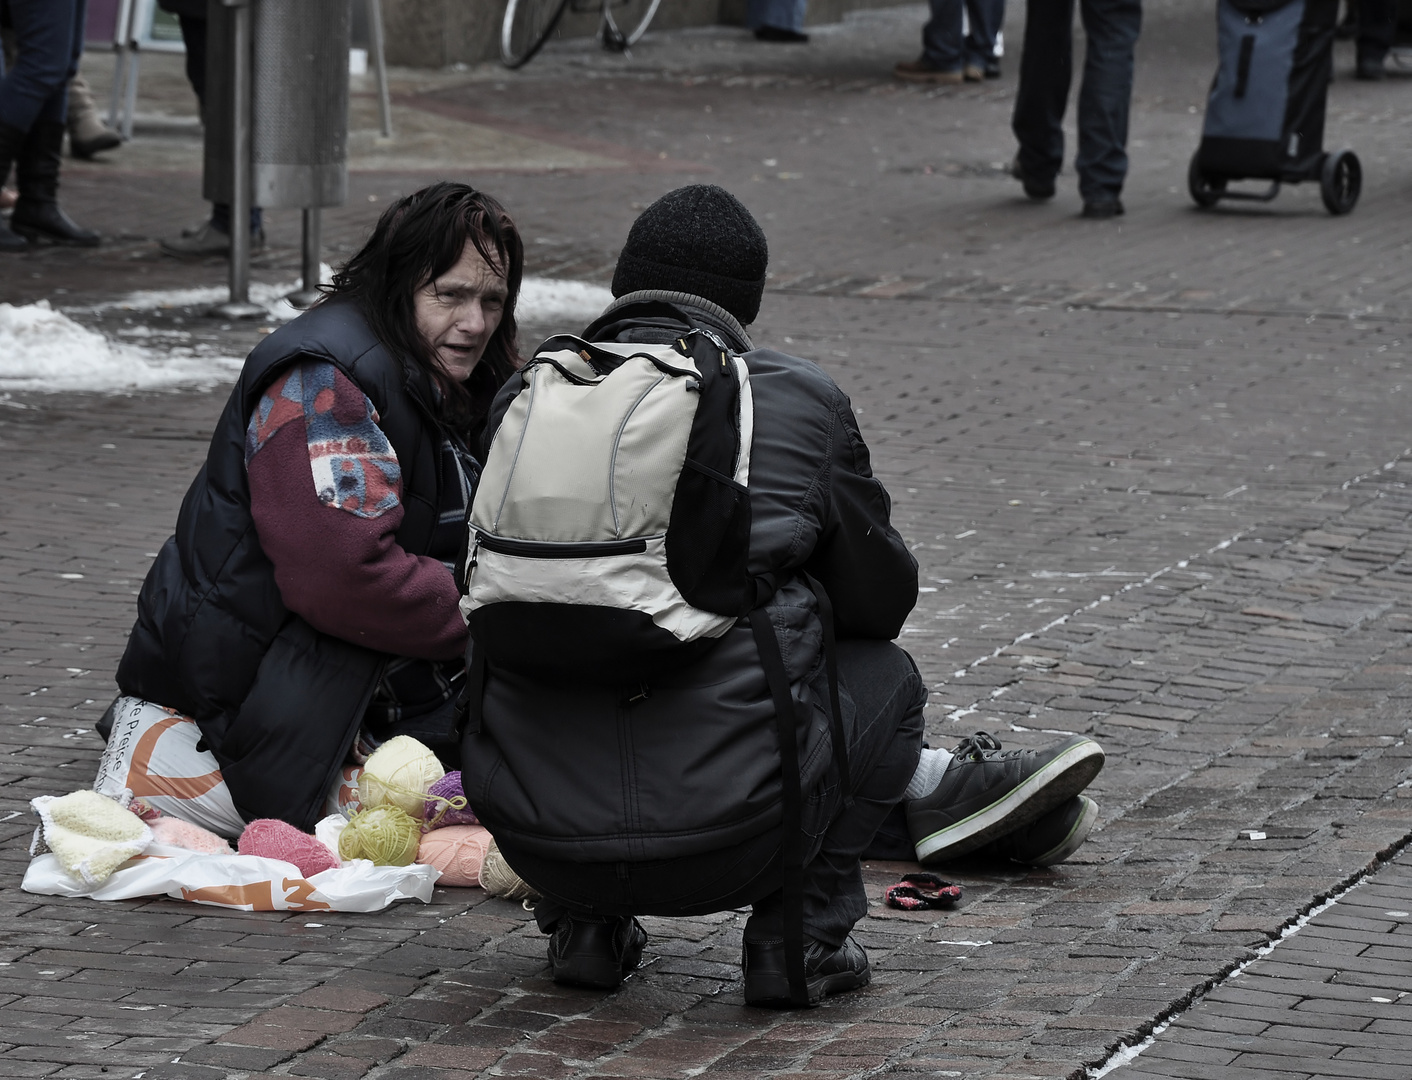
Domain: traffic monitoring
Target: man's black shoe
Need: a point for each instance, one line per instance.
(1036, 187)
(987, 792)
(780, 34)
(596, 953)
(1049, 839)
(826, 971)
(1101, 209)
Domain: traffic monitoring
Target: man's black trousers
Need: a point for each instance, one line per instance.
(882, 697)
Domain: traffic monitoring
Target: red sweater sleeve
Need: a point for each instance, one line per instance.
(325, 493)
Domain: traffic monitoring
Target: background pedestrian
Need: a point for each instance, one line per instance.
(34, 101)
(1046, 70)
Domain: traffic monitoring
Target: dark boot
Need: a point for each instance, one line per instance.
(37, 214)
(11, 139)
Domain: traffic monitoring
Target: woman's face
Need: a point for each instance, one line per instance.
(458, 312)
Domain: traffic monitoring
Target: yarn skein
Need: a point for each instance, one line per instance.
(498, 879)
(275, 839)
(385, 835)
(399, 772)
(183, 834)
(446, 803)
(458, 851)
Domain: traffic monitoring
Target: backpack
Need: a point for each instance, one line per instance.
(611, 525)
(609, 540)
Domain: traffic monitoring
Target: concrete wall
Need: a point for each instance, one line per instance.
(437, 33)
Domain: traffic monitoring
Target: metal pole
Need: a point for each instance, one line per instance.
(380, 59)
(122, 32)
(307, 295)
(239, 305)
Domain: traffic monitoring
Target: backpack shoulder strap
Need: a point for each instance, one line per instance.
(836, 733)
(792, 827)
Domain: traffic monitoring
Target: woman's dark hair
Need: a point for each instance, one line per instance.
(417, 239)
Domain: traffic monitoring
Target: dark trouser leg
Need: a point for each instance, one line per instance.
(1046, 69)
(1377, 24)
(49, 39)
(986, 17)
(1112, 27)
(193, 36)
(884, 694)
(941, 37)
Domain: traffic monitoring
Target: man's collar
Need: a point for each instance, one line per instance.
(717, 317)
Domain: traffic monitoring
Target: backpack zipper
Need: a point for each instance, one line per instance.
(549, 549)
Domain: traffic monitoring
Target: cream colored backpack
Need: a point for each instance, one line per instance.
(610, 531)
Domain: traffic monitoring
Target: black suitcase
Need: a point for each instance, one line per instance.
(1265, 113)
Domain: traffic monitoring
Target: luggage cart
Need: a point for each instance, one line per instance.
(1265, 112)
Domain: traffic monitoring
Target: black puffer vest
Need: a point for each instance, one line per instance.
(278, 702)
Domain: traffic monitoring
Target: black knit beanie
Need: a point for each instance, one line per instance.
(700, 240)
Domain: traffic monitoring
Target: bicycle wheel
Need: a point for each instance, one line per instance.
(527, 25)
(624, 21)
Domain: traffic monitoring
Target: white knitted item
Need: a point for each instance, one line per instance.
(90, 834)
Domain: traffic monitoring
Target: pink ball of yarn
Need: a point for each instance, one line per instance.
(457, 851)
(448, 787)
(183, 834)
(271, 838)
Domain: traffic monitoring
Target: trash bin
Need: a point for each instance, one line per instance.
(299, 103)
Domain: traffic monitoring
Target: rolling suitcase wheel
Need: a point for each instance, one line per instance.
(1340, 181)
(1205, 191)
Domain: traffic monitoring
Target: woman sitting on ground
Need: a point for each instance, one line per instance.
(307, 605)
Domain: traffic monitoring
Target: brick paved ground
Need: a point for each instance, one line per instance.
(1330, 1001)
(1156, 475)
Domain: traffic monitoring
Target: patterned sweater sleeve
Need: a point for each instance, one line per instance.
(325, 493)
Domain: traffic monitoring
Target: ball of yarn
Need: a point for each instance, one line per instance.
(183, 834)
(448, 788)
(275, 839)
(399, 772)
(383, 834)
(498, 879)
(457, 851)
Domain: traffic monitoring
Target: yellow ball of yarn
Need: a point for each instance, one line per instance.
(384, 834)
(399, 772)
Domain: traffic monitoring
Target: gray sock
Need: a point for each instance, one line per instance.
(930, 769)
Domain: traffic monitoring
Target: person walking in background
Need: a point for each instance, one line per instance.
(34, 99)
(88, 135)
(210, 237)
(948, 56)
(1375, 27)
(777, 20)
(1046, 70)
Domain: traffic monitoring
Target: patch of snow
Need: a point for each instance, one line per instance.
(542, 300)
(545, 300)
(43, 349)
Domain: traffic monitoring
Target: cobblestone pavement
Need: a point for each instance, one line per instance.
(1155, 472)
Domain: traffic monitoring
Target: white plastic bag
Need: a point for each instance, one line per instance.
(152, 752)
(241, 881)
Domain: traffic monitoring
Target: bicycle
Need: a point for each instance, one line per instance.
(528, 24)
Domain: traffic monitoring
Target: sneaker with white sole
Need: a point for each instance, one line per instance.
(987, 792)
(1049, 839)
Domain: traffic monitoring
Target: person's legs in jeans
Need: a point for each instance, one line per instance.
(986, 18)
(781, 14)
(35, 89)
(1112, 27)
(1046, 69)
(885, 740)
(942, 49)
(34, 99)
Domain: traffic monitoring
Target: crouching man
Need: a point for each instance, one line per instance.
(750, 762)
